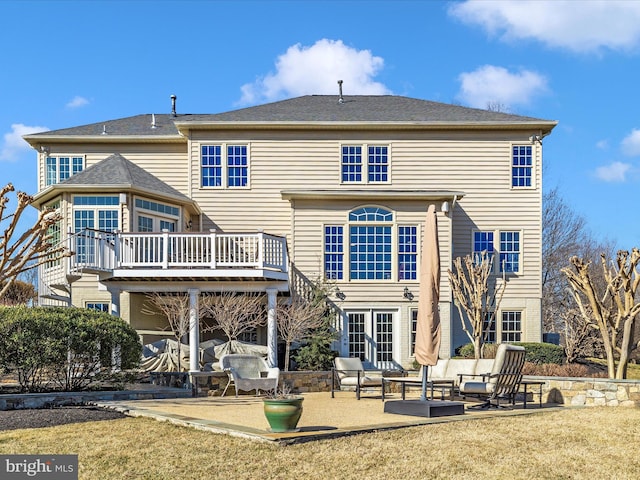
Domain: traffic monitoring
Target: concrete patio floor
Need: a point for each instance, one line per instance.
(323, 417)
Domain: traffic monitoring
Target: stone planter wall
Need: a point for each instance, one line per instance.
(590, 391)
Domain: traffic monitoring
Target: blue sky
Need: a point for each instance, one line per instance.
(67, 63)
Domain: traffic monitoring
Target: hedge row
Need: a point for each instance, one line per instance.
(539, 353)
(59, 348)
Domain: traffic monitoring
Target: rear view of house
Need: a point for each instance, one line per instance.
(272, 197)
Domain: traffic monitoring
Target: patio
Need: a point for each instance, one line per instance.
(322, 417)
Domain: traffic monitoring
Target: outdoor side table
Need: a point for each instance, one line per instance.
(526, 383)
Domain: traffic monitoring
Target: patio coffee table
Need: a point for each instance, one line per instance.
(417, 382)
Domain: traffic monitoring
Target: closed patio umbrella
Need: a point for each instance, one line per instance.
(428, 322)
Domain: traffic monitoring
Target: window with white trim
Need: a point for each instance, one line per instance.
(155, 216)
(99, 306)
(370, 243)
(414, 329)
(224, 166)
(508, 251)
(511, 326)
(521, 166)
(352, 165)
(58, 169)
(93, 212)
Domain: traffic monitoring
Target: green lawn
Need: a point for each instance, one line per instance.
(584, 443)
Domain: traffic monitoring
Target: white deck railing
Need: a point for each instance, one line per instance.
(96, 250)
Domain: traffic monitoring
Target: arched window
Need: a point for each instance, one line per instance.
(370, 244)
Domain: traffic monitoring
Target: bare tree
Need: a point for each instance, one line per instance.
(177, 310)
(477, 297)
(233, 313)
(19, 293)
(31, 248)
(297, 320)
(611, 308)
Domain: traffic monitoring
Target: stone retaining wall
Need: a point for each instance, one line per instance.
(590, 391)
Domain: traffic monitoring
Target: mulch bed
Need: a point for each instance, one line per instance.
(49, 417)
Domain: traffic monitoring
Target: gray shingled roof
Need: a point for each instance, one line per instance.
(306, 109)
(116, 170)
(360, 108)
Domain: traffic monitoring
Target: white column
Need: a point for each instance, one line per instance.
(115, 301)
(115, 311)
(272, 328)
(194, 331)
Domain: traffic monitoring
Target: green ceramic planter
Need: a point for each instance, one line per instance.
(283, 413)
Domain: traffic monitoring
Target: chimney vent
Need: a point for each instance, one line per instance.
(340, 99)
(173, 105)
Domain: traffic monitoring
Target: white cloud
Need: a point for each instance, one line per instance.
(615, 172)
(631, 143)
(587, 26)
(14, 144)
(602, 144)
(316, 69)
(77, 102)
(491, 84)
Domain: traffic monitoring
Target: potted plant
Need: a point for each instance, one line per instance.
(283, 410)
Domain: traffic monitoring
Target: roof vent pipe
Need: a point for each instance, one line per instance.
(173, 105)
(340, 100)
(153, 120)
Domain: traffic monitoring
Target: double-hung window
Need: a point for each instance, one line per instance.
(511, 326)
(370, 247)
(354, 170)
(507, 251)
(58, 169)
(521, 166)
(224, 166)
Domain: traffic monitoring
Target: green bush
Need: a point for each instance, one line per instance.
(64, 348)
(316, 353)
(535, 352)
(543, 352)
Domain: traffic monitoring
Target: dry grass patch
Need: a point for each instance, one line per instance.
(570, 444)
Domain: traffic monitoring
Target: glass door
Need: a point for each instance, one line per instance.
(370, 337)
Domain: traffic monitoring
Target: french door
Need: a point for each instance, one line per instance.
(370, 337)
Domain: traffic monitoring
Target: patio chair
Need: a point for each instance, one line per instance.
(351, 373)
(249, 372)
(502, 382)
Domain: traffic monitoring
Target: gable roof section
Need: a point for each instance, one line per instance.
(309, 111)
(117, 173)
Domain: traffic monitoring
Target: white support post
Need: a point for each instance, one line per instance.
(165, 248)
(194, 331)
(272, 328)
(115, 301)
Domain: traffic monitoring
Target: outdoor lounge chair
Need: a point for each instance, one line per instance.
(351, 373)
(503, 381)
(249, 372)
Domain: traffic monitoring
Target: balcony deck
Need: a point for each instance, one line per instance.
(170, 256)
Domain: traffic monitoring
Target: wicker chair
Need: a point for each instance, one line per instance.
(249, 372)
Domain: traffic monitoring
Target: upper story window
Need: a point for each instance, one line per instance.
(155, 217)
(93, 212)
(58, 169)
(369, 238)
(521, 166)
(224, 165)
(353, 167)
(508, 253)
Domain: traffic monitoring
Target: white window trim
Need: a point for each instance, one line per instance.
(156, 216)
(57, 157)
(365, 162)
(500, 330)
(495, 270)
(534, 165)
(225, 165)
